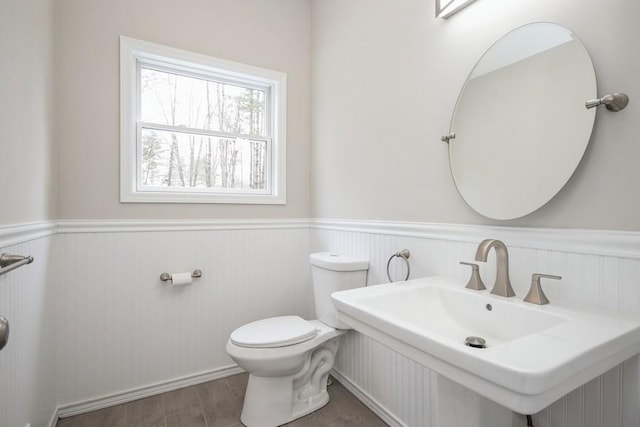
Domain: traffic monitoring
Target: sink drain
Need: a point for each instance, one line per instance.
(475, 342)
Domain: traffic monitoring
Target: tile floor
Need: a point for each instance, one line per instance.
(218, 404)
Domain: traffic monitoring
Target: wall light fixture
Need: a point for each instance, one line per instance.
(446, 8)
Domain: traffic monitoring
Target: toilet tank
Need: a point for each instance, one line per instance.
(331, 272)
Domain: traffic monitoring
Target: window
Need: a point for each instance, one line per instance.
(198, 129)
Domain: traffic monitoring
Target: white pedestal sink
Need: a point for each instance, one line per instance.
(534, 354)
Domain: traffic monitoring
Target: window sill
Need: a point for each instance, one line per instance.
(177, 197)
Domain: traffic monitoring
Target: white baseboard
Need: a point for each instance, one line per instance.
(54, 419)
(368, 401)
(101, 402)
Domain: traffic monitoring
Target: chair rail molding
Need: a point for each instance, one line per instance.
(624, 244)
(119, 226)
(598, 242)
(19, 233)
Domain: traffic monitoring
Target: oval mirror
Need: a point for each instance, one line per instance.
(520, 123)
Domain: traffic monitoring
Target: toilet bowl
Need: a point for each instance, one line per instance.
(288, 358)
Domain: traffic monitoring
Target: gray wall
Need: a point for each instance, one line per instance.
(28, 194)
(386, 76)
(26, 89)
(273, 34)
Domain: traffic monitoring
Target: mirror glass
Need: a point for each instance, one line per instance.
(520, 123)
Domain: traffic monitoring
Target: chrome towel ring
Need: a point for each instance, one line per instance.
(403, 254)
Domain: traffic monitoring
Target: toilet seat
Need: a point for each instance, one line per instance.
(274, 332)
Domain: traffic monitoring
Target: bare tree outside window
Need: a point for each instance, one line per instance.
(199, 133)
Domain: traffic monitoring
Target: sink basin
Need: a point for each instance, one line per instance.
(534, 354)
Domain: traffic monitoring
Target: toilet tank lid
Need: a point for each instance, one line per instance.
(337, 262)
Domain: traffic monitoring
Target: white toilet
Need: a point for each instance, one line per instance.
(289, 358)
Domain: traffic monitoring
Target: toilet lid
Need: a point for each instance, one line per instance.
(274, 332)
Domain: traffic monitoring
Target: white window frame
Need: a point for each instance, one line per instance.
(134, 52)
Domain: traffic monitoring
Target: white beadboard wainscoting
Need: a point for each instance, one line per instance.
(92, 324)
(123, 329)
(600, 270)
(28, 362)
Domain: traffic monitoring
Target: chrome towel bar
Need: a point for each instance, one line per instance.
(10, 262)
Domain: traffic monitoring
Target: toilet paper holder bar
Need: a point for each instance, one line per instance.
(165, 277)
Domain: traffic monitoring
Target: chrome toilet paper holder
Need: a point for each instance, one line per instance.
(166, 277)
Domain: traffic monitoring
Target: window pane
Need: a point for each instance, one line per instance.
(184, 160)
(176, 100)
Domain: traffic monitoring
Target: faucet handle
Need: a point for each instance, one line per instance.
(475, 282)
(536, 295)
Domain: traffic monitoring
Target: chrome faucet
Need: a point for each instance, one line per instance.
(502, 286)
